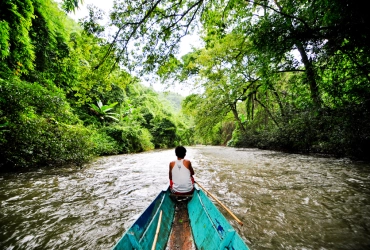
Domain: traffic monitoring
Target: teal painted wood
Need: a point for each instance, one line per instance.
(210, 228)
(141, 234)
(168, 211)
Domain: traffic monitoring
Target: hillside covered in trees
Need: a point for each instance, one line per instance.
(288, 75)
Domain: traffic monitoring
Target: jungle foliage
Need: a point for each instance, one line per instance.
(57, 107)
(288, 74)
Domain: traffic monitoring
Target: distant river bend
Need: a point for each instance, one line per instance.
(286, 201)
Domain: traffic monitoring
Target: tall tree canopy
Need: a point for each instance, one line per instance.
(315, 29)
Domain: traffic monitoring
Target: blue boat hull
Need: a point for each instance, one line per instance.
(209, 228)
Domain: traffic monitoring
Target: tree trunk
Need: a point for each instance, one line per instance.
(236, 116)
(268, 111)
(310, 74)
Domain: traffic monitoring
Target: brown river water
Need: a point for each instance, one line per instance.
(286, 201)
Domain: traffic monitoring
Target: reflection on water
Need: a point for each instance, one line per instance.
(285, 201)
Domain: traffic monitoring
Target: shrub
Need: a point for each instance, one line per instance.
(104, 144)
(40, 127)
(35, 141)
(129, 139)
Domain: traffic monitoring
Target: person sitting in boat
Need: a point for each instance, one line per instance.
(181, 173)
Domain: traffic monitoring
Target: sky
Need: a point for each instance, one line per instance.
(185, 46)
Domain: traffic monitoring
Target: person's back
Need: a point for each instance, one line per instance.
(181, 173)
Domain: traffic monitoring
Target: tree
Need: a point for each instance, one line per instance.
(16, 50)
(70, 5)
(154, 28)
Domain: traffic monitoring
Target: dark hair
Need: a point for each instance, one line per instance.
(180, 151)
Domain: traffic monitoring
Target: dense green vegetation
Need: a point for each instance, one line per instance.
(289, 75)
(57, 107)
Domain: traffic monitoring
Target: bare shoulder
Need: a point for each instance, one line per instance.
(188, 165)
(187, 162)
(172, 163)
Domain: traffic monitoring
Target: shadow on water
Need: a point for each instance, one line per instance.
(286, 201)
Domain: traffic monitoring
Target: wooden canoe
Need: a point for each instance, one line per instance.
(169, 224)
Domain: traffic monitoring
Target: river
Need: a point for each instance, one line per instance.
(286, 201)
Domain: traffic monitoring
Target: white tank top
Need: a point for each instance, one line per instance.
(181, 178)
